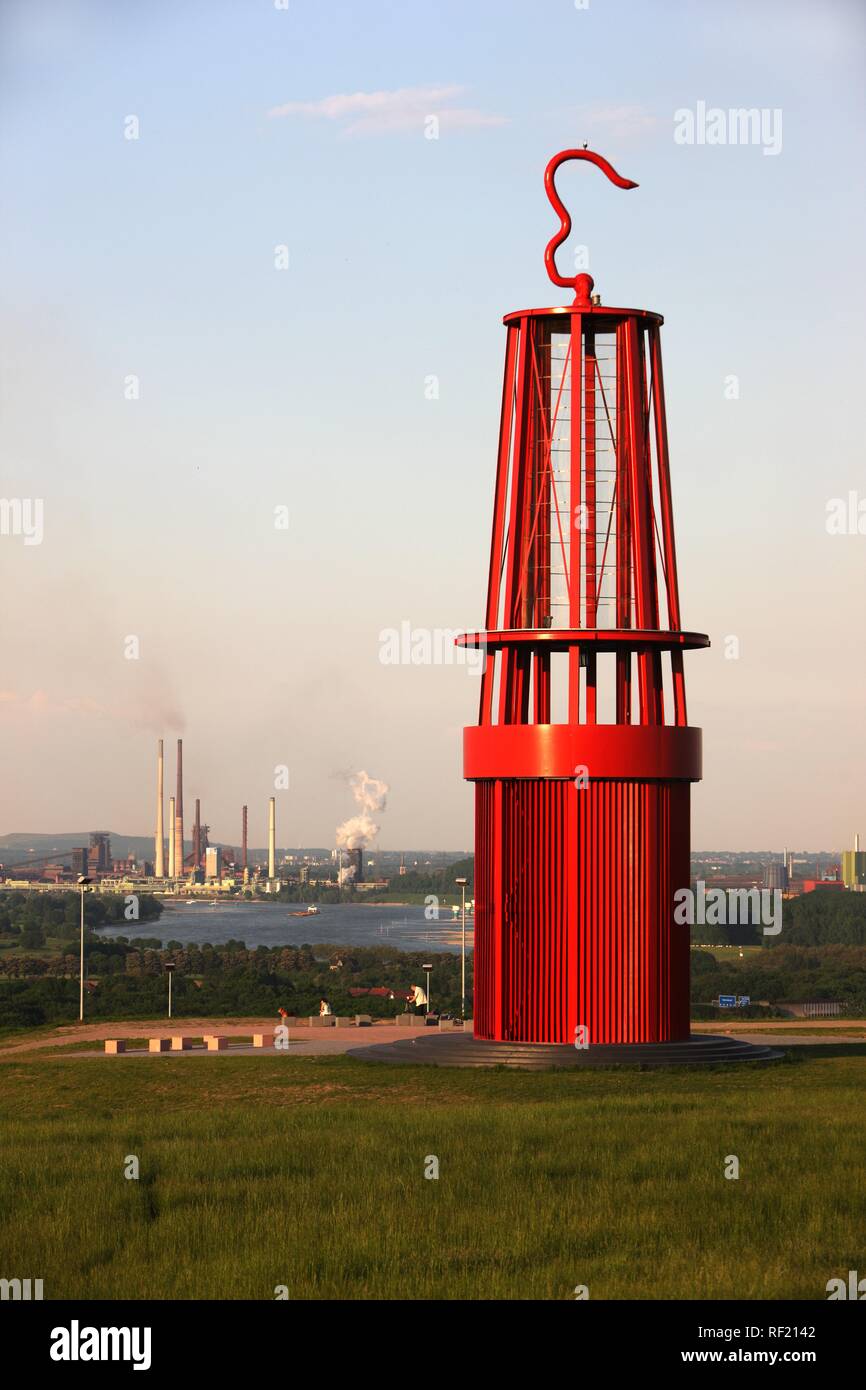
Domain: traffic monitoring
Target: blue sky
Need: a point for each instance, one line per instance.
(258, 387)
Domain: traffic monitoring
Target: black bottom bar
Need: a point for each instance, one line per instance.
(248, 1343)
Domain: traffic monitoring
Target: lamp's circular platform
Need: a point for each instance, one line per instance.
(462, 1050)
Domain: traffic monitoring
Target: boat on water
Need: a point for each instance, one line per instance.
(311, 911)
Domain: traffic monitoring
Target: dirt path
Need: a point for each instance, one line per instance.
(339, 1039)
(323, 1039)
(790, 1025)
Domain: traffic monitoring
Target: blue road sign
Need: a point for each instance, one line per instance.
(727, 1001)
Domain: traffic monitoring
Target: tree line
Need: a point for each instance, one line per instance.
(31, 919)
(824, 917)
(127, 979)
(786, 974)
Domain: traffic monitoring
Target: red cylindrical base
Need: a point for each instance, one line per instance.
(574, 904)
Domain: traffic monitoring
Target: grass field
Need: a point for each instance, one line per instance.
(309, 1172)
(850, 1030)
(730, 955)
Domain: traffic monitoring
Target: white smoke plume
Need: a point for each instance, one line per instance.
(370, 795)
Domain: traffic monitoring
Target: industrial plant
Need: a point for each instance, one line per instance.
(179, 866)
(176, 865)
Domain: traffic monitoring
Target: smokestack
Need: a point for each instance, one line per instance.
(196, 836)
(159, 856)
(357, 858)
(178, 814)
(244, 837)
(171, 839)
(272, 837)
(856, 842)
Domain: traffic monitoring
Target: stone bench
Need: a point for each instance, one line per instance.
(216, 1044)
(363, 1021)
(181, 1044)
(264, 1040)
(159, 1045)
(321, 1021)
(115, 1045)
(446, 1024)
(341, 1022)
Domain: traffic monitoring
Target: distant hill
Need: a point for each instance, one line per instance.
(16, 848)
(21, 843)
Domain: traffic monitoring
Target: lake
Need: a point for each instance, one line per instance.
(271, 924)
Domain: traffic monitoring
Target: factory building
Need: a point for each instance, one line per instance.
(776, 876)
(854, 867)
(79, 858)
(99, 854)
(811, 884)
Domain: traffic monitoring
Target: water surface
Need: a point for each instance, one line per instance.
(272, 924)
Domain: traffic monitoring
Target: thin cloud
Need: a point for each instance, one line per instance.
(39, 702)
(623, 122)
(377, 113)
(141, 712)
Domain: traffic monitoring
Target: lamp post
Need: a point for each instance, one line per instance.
(462, 884)
(169, 968)
(83, 881)
(428, 968)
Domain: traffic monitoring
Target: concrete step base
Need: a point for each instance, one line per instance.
(458, 1050)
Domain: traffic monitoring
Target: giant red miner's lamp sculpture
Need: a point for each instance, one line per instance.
(582, 758)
